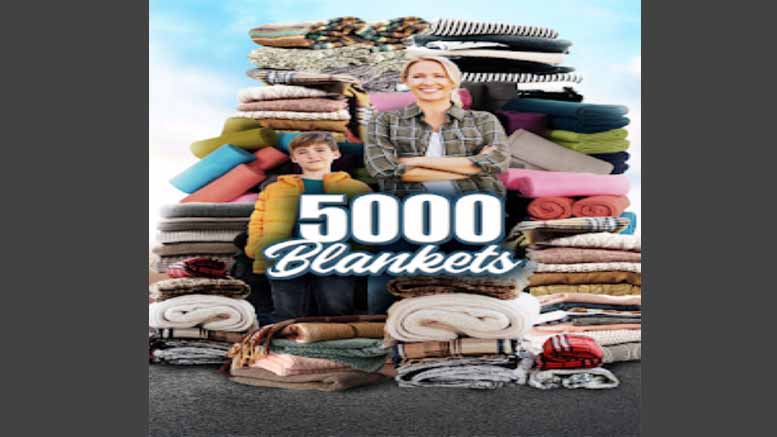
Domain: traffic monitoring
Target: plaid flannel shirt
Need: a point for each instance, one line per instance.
(403, 133)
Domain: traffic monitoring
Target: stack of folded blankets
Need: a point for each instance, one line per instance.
(194, 320)
(312, 353)
(190, 230)
(460, 332)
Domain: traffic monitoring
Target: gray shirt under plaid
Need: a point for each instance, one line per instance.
(404, 133)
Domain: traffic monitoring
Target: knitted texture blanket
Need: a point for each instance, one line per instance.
(589, 267)
(364, 354)
(445, 317)
(206, 210)
(566, 351)
(599, 240)
(296, 105)
(424, 286)
(314, 332)
(180, 249)
(217, 313)
(287, 365)
(202, 223)
(536, 183)
(487, 372)
(196, 236)
(622, 352)
(341, 114)
(448, 26)
(455, 348)
(188, 352)
(532, 148)
(596, 378)
(608, 289)
(586, 278)
(327, 382)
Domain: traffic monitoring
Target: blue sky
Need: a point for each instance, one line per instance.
(198, 56)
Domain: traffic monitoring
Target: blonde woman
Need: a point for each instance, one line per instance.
(434, 145)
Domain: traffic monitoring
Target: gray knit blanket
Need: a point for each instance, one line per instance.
(196, 209)
(595, 379)
(484, 372)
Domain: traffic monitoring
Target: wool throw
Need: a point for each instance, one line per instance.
(589, 267)
(216, 313)
(449, 27)
(598, 240)
(487, 372)
(595, 379)
(569, 351)
(287, 365)
(174, 249)
(585, 278)
(622, 352)
(341, 114)
(276, 92)
(535, 183)
(313, 332)
(365, 354)
(545, 58)
(327, 382)
(607, 289)
(405, 287)
(568, 255)
(296, 105)
(455, 348)
(445, 317)
(206, 210)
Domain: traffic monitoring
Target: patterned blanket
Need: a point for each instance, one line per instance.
(486, 372)
(170, 288)
(425, 286)
(596, 378)
(567, 351)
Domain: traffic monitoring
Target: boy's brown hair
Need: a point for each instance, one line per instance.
(310, 138)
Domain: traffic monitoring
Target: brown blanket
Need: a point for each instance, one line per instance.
(170, 288)
(296, 105)
(608, 289)
(424, 286)
(585, 278)
(323, 125)
(571, 255)
(313, 332)
(331, 381)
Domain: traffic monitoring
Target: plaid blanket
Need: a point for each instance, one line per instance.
(567, 351)
(425, 286)
(198, 267)
(526, 233)
(170, 288)
(455, 348)
(194, 334)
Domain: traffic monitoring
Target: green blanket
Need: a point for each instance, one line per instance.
(569, 136)
(590, 148)
(367, 354)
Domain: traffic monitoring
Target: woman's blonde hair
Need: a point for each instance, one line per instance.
(451, 69)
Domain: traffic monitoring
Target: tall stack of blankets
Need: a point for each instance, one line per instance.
(194, 320)
(459, 331)
(312, 353)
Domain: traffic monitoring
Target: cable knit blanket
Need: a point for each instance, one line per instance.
(170, 288)
(596, 378)
(289, 115)
(445, 317)
(585, 278)
(599, 240)
(328, 382)
(287, 365)
(589, 267)
(200, 209)
(487, 372)
(314, 332)
(425, 286)
(216, 313)
(276, 92)
(605, 289)
(568, 255)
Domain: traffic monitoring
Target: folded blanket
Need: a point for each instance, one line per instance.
(578, 299)
(194, 249)
(187, 352)
(568, 255)
(296, 105)
(568, 327)
(535, 340)
(341, 114)
(584, 112)
(600, 206)
(613, 146)
(515, 42)
(328, 382)
(203, 267)
(283, 34)
(196, 236)
(364, 354)
(415, 286)
(602, 320)
(306, 125)
(527, 121)
(550, 208)
(488, 372)
(618, 160)
(564, 93)
(216, 313)
(609, 289)
(590, 267)
(577, 137)
(276, 92)
(545, 58)
(171, 288)
(232, 184)
(535, 183)
(195, 334)
(622, 352)
(449, 27)
(447, 316)
(384, 102)
(202, 224)
(572, 225)
(160, 264)
(211, 167)
(455, 348)
(302, 78)
(236, 132)
(547, 155)
(599, 240)
(565, 351)
(585, 278)
(507, 63)
(314, 332)
(597, 378)
(201, 209)
(548, 82)
(386, 35)
(287, 365)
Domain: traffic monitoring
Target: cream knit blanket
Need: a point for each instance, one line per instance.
(447, 316)
(216, 313)
(589, 267)
(291, 115)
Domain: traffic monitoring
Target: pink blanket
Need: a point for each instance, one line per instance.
(383, 102)
(287, 365)
(268, 158)
(538, 183)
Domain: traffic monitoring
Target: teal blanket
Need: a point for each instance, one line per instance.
(366, 354)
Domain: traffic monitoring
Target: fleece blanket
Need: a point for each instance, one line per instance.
(598, 240)
(455, 348)
(569, 351)
(535, 183)
(487, 372)
(364, 354)
(181, 249)
(200, 209)
(622, 352)
(302, 78)
(600, 206)
(569, 255)
(288, 365)
(186, 352)
(341, 114)
(232, 184)
(296, 105)
(595, 379)
(246, 136)
(547, 155)
(550, 208)
(585, 278)
(196, 236)
(313, 332)
(589, 267)
(528, 121)
(277, 92)
(445, 317)
(608, 289)
(383, 102)
(217, 313)
(211, 167)
(405, 287)
(328, 382)
(202, 224)
(453, 27)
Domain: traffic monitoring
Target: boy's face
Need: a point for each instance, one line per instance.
(314, 157)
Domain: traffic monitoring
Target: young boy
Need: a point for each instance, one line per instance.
(275, 219)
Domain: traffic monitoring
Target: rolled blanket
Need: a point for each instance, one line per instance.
(423, 286)
(196, 236)
(568, 351)
(589, 267)
(200, 209)
(539, 57)
(384, 102)
(606, 289)
(198, 267)
(455, 348)
(327, 382)
(363, 354)
(622, 352)
(287, 365)
(306, 125)
(313, 332)
(216, 313)
(186, 352)
(234, 183)
(240, 132)
(528, 121)
(283, 34)
(546, 155)
(171, 288)
(341, 114)
(600, 206)
(535, 183)
(195, 334)
(296, 105)
(202, 224)
(277, 92)
(302, 78)
(549, 208)
(488, 372)
(597, 378)
(569, 255)
(449, 27)
(447, 316)
(585, 278)
(268, 158)
(194, 249)
(211, 167)
(599, 240)
(515, 42)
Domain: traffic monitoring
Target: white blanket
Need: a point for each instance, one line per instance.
(275, 92)
(342, 114)
(446, 316)
(216, 313)
(545, 58)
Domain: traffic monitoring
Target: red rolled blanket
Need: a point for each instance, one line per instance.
(550, 208)
(600, 206)
(568, 351)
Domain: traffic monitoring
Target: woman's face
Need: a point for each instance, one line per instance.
(428, 81)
